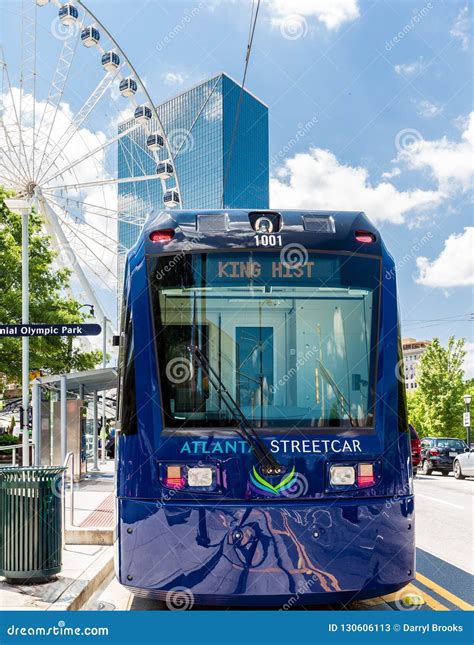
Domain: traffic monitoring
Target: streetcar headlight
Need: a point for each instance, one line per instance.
(342, 475)
(199, 477)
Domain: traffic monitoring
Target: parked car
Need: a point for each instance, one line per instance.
(464, 464)
(438, 453)
(415, 448)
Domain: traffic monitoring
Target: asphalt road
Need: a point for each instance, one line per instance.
(444, 518)
(444, 539)
(445, 563)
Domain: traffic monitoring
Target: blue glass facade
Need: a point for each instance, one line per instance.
(199, 124)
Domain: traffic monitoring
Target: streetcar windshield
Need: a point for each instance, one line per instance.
(291, 336)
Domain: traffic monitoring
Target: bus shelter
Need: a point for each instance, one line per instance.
(73, 393)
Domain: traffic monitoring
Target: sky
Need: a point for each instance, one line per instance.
(370, 108)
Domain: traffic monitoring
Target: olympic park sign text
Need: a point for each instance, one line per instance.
(71, 329)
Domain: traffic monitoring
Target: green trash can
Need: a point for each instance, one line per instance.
(30, 523)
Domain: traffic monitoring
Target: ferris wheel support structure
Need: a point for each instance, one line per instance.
(146, 93)
(59, 149)
(63, 247)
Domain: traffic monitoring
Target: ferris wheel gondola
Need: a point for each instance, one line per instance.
(68, 14)
(90, 36)
(165, 170)
(60, 138)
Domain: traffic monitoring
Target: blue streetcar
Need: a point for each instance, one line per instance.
(263, 453)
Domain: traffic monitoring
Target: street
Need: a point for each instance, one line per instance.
(444, 555)
(444, 510)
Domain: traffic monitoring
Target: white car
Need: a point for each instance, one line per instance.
(463, 465)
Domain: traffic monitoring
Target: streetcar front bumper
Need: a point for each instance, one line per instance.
(274, 555)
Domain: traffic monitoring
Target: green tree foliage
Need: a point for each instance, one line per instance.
(436, 407)
(416, 411)
(48, 302)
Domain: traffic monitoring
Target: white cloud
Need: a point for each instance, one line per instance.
(332, 14)
(454, 267)
(449, 163)
(461, 28)
(393, 173)
(317, 180)
(410, 69)
(428, 109)
(173, 78)
(90, 234)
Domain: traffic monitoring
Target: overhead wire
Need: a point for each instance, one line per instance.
(253, 24)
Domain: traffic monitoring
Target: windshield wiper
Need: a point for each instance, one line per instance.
(338, 392)
(267, 462)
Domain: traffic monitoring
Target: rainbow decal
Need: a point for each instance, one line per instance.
(261, 484)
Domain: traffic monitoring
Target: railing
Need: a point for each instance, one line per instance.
(69, 461)
(18, 446)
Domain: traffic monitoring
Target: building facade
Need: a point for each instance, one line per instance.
(199, 124)
(413, 350)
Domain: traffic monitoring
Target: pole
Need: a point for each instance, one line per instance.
(95, 442)
(468, 429)
(104, 365)
(63, 406)
(25, 341)
(36, 421)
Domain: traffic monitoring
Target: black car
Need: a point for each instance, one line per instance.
(438, 453)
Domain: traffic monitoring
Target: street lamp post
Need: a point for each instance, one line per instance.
(104, 402)
(467, 419)
(23, 207)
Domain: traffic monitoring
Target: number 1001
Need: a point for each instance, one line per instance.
(268, 240)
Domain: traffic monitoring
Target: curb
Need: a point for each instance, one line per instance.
(80, 535)
(80, 591)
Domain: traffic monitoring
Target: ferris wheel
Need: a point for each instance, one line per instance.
(61, 125)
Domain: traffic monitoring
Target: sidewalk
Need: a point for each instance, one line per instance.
(90, 493)
(85, 567)
(87, 554)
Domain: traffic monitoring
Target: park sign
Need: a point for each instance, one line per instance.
(44, 330)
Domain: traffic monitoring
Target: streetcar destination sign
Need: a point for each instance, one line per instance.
(33, 329)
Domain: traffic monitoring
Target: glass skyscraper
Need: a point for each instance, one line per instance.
(199, 124)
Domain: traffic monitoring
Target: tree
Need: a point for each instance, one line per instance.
(48, 300)
(436, 408)
(416, 411)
